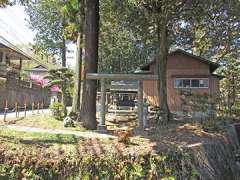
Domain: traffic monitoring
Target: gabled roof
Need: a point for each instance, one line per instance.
(213, 65)
(39, 68)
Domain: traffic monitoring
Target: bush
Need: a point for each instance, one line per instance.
(57, 110)
(205, 104)
(27, 164)
(123, 135)
(217, 125)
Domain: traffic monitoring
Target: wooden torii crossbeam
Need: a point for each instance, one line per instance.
(103, 77)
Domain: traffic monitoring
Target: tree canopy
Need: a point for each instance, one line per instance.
(48, 21)
(134, 32)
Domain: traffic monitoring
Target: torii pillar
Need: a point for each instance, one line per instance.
(102, 124)
(140, 104)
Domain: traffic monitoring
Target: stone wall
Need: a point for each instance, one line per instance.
(21, 91)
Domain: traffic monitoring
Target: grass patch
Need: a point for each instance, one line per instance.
(18, 135)
(17, 140)
(46, 121)
(1, 123)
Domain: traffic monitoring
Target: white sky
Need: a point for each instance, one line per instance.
(13, 25)
(14, 28)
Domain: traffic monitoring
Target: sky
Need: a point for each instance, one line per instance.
(13, 25)
(14, 28)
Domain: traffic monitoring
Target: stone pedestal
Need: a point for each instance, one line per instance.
(102, 129)
(54, 97)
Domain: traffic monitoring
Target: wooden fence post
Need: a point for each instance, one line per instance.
(25, 109)
(16, 108)
(42, 106)
(38, 106)
(5, 111)
(32, 108)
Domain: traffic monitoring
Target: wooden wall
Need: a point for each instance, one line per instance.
(20, 91)
(178, 66)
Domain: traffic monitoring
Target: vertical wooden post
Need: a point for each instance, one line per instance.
(140, 104)
(17, 109)
(115, 107)
(101, 125)
(20, 64)
(42, 106)
(20, 67)
(5, 111)
(25, 109)
(3, 57)
(145, 113)
(33, 108)
(107, 99)
(38, 107)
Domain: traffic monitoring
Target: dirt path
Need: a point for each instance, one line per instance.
(58, 131)
(12, 115)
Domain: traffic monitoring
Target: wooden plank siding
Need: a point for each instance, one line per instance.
(150, 91)
(180, 66)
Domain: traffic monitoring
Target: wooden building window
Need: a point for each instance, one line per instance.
(191, 83)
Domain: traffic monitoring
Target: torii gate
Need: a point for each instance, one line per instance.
(103, 77)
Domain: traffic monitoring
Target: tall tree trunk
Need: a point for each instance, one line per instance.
(63, 52)
(64, 96)
(64, 100)
(78, 74)
(78, 69)
(88, 108)
(162, 56)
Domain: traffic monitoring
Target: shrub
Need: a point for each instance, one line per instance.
(203, 103)
(123, 135)
(27, 164)
(57, 110)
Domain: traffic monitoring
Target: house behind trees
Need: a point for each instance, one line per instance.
(185, 72)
